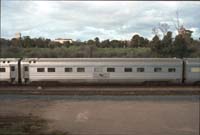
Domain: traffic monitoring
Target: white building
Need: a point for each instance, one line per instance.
(62, 40)
(18, 35)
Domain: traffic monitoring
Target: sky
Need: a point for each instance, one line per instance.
(83, 20)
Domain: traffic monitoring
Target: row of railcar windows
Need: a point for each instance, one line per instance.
(83, 69)
(108, 70)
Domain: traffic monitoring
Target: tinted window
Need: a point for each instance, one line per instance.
(68, 69)
(157, 69)
(2, 70)
(51, 70)
(12, 68)
(171, 70)
(140, 69)
(40, 69)
(25, 68)
(110, 69)
(80, 69)
(127, 69)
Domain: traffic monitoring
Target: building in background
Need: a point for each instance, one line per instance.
(18, 35)
(63, 40)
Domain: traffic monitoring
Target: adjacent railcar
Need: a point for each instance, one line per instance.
(9, 70)
(101, 70)
(192, 70)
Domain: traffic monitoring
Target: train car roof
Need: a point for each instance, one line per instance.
(10, 59)
(101, 59)
(192, 60)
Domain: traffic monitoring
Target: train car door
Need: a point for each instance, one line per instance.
(26, 73)
(13, 73)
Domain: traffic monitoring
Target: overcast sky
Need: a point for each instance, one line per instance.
(87, 20)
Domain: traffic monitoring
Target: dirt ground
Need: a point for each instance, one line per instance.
(141, 115)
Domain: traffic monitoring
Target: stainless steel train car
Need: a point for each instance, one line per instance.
(101, 70)
(191, 70)
(9, 70)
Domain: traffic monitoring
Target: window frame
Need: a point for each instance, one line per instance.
(43, 70)
(126, 69)
(4, 69)
(69, 71)
(173, 70)
(12, 68)
(195, 69)
(156, 69)
(26, 69)
(51, 69)
(112, 69)
(140, 69)
(80, 69)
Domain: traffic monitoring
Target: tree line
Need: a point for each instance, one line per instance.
(180, 46)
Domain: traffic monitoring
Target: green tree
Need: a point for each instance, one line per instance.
(67, 44)
(54, 44)
(16, 42)
(105, 43)
(97, 42)
(166, 43)
(27, 42)
(155, 44)
(91, 42)
(135, 41)
(180, 47)
(116, 44)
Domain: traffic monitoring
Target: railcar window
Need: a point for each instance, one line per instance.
(157, 69)
(68, 69)
(195, 69)
(80, 69)
(2, 70)
(127, 69)
(110, 69)
(25, 68)
(171, 69)
(40, 69)
(12, 68)
(51, 70)
(140, 69)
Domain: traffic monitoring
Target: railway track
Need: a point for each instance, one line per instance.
(101, 90)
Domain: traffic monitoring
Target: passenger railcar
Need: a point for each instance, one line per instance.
(9, 70)
(102, 70)
(192, 70)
